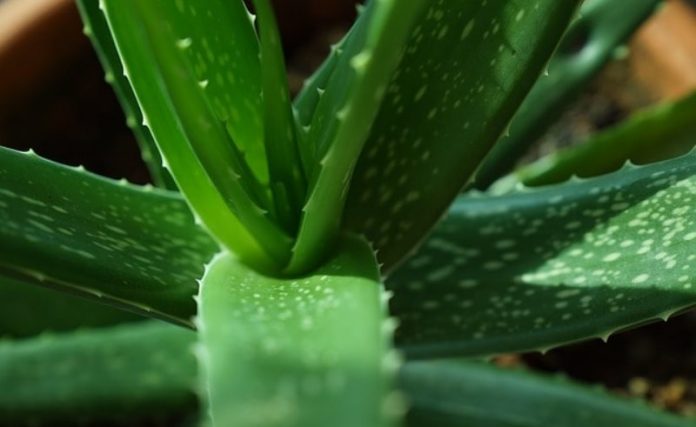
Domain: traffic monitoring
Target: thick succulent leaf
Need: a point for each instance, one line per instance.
(98, 32)
(659, 133)
(111, 375)
(538, 268)
(343, 117)
(134, 247)
(287, 176)
(208, 167)
(306, 103)
(295, 352)
(455, 394)
(467, 67)
(590, 43)
(440, 393)
(27, 309)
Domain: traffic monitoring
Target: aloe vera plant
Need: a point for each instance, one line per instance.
(296, 259)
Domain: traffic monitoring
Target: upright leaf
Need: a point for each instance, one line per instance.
(98, 32)
(288, 183)
(467, 67)
(302, 352)
(343, 118)
(209, 168)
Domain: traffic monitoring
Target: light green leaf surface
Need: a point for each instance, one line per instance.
(98, 32)
(658, 133)
(134, 247)
(467, 67)
(208, 167)
(343, 118)
(295, 352)
(592, 41)
(538, 268)
(456, 394)
(287, 176)
(114, 375)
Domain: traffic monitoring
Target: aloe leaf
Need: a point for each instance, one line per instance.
(454, 394)
(281, 135)
(134, 247)
(440, 393)
(26, 309)
(658, 133)
(467, 67)
(343, 118)
(209, 168)
(98, 32)
(119, 375)
(295, 352)
(591, 42)
(539, 268)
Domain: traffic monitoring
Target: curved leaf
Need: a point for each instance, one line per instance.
(538, 268)
(658, 133)
(133, 247)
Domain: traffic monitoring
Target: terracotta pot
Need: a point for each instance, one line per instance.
(37, 38)
(663, 52)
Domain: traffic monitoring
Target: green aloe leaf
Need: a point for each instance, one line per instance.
(538, 268)
(98, 32)
(454, 394)
(111, 363)
(467, 67)
(288, 182)
(658, 133)
(343, 118)
(592, 40)
(210, 169)
(117, 375)
(295, 352)
(27, 309)
(133, 247)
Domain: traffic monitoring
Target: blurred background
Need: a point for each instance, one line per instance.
(53, 99)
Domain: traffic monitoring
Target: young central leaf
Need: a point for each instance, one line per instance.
(202, 100)
(295, 352)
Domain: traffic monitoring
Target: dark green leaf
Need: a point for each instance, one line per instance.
(129, 246)
(538, 268)
(98, 31)
(456, 394)
(661, 132)
(467, 67)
